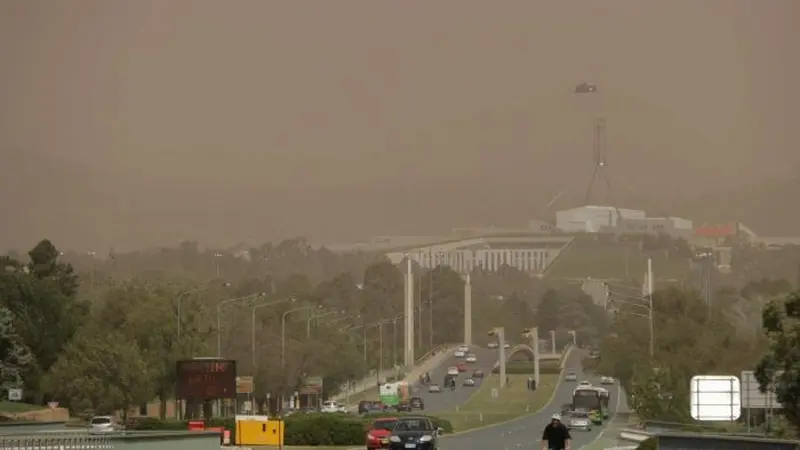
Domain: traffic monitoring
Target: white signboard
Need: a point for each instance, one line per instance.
(15, 394)
(752, 398)
(715, 398)
(495, 393)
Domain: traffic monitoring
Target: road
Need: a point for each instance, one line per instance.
(447, 399)
(527, 431)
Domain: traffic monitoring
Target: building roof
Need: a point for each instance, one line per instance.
(714, 230)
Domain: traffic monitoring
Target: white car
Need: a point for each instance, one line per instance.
(571, 376)
(102, 425)
(459, 354)
(453, 370)
(584, 383)
(506, 345)
(469, 382)
(471, 358)
(434, 388)
(333, 407)
(493, 345)
(607, 380)
(463, 348)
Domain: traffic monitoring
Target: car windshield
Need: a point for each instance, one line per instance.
(384, 424)
(411, 425)
(100, 420)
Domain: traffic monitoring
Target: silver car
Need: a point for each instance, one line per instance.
(579, 420)
(571, 376)
(434, 389)
(102, 425)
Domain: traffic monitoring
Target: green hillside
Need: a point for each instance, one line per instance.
(602, 257)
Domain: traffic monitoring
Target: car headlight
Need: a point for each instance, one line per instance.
(426, 438)
(394, 438)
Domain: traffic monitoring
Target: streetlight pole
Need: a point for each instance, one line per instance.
(650, 306)
(283, 330)
(313, 317)
(500, 332)
(253, 324)
(182, 296)
(219, 316)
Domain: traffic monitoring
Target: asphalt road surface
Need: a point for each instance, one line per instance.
(526, 432)
(447, 399)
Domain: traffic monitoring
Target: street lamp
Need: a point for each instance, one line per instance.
(253, 311)
(313, 317)
(183, 296)
(220, 304)
(283, 329)
(500, 332)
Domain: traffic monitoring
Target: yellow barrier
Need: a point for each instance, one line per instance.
(259, 430)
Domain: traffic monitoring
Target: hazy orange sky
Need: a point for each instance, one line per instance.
(138, 123)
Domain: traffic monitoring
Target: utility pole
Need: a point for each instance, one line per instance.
(409, 315)
(468, 311)
(500, 332)
(650, 306)
(533, 334)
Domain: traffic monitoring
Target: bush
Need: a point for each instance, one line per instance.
(300, 429)
(648, 444)
(526, 367)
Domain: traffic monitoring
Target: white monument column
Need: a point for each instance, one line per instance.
(409, 314)
(467, 311)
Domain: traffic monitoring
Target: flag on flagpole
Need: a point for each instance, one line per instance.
(586, 88)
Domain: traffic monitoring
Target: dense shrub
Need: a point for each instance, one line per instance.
(300, 429)
(526, 367)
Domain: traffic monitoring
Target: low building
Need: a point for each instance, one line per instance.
(675, 227)
(593, 218)
(531, 254)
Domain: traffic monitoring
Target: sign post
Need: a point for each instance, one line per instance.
(15, 394)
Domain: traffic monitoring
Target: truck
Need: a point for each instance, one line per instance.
(393, 394)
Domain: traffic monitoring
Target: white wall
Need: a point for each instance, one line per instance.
(593, 218)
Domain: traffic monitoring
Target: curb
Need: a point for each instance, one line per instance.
(526, 415)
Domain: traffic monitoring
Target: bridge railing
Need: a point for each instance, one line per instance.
(56, 441)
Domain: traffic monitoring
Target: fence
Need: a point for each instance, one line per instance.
(66, 441)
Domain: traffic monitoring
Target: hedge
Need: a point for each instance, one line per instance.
(648, 444)
(549, 367)
(301, 429)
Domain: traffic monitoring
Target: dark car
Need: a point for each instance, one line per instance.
(403, 407)
(417, 403)
(370, 407)
(477, 374)
(417, 433)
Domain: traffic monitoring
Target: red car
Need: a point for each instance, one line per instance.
(462, 367)
(378, 434)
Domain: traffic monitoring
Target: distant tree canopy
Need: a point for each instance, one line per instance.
(690, 339)
(113, 343)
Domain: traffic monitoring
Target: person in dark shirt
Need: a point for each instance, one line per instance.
(556, 435)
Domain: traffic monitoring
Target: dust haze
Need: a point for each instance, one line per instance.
(137, 123)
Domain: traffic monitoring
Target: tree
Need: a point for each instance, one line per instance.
(548, 312)
(688, 341)
(101, 373)
(43, 301)
(15, 357)
(779, 367)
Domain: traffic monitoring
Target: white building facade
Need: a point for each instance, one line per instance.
(592, 219)
(464, 261)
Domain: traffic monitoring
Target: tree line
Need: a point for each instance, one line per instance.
(113, 343)
(692, 338)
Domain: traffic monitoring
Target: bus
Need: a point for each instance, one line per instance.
(604, 397)
(588, 398)
(392, 394)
